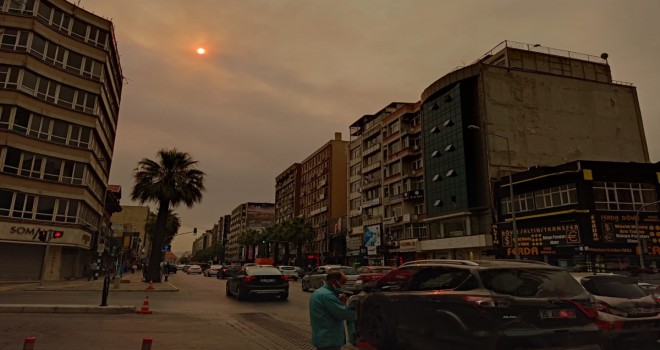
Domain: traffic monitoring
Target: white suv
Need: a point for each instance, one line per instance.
(289, 271)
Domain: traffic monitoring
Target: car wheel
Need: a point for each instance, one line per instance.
(284, 296)
(227, 292)
(240, 296)
(304, 286)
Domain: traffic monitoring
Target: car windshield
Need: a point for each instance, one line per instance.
(349, 271)
(263, 271)
(538, 283)
(613, 286)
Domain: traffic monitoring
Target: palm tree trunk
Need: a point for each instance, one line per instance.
(299, 254)
(276, 252)
(157, 240)
(287, 255)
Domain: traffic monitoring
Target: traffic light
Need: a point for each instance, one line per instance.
(263, 241)
(195, 231)
(57, 234)
(43, 235)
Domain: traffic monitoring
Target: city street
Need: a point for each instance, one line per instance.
(198, 316)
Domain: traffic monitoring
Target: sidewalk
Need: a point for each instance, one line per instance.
(128, 283)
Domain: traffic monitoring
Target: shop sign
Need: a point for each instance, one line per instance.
(620, 228)
(543, 236)
(408, 245)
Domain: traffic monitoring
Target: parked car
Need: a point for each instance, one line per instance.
(370, 274)
(316, 277)
(289, 271)
(627, 314)
(258, 280)
(180, 266)
(484, 305)
(194, 269)
(212, 270)
(300, 270)
(649, 288)
(186, 267)
(227, 271)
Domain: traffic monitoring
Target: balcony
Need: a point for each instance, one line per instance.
(370, 182)
(371, 149)
(413, 195)
(371, 202)
(373, 166)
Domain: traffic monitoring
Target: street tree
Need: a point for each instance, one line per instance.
(298, 231)
(171, 228)
(250, 238)
(169, 181)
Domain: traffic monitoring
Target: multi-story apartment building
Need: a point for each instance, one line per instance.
(224, 225)
(248, 216)
(527, 104)
(403, 184)
(365, 192)
(130, 226)
(60, 90)
(323, 191)
(287, 193)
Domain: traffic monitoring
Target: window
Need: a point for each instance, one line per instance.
(72, 172)
(5, 113)
(450, 148)
(12, 161)
(5, 202)
(624, 196)
(23, 206)
(60, 131)
(439, 278)
(541, 283)
(556, 196)
(45, 208)
(52, 169)
(66, 210)
(31, 165)
(44, 11)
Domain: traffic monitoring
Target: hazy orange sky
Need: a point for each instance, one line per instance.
(279, 77)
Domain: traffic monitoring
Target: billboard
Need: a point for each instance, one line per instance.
(372, 238)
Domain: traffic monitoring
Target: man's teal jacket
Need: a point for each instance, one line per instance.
(327, 315)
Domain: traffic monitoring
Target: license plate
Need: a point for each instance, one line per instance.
(268, 280)
(563, 313)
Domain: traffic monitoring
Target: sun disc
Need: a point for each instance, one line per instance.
(201, 51)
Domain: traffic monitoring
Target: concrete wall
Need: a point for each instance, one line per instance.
(552, 119)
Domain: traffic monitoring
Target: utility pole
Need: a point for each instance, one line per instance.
(49, 235)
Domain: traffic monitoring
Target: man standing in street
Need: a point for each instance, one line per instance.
(328, 311)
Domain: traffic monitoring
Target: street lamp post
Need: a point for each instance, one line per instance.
(513, 209)
(639, 237)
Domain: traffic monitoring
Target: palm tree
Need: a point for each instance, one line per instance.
(250, 238)
(298, 231)
(171, 229)
(170, 181)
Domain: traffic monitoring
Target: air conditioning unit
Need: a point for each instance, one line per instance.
(416, 147)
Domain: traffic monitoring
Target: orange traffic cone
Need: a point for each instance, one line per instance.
(145, 307)
(146, 343)
(29, 343)
(151, 286)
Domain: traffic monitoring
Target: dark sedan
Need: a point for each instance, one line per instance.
(258, 280)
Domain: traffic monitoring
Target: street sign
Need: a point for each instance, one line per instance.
(166, 248)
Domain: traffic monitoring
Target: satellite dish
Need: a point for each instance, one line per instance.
(604, 55)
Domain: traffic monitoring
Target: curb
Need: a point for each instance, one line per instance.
(67, 309)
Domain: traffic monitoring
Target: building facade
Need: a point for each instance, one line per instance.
(582, 215)
(60, 91)
(248, 216)
(527, 104)
(129, 226)
(323, 189)
(287, 193)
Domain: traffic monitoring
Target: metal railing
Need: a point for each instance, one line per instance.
(541, 49)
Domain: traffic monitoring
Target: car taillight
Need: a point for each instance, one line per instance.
(487, 302)
(249, 278)
(587, 309)
(602, 306)
(284, 278)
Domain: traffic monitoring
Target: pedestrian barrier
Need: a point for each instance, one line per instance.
(29, 343)
(146, 343)
(145, 307)
(151, 286)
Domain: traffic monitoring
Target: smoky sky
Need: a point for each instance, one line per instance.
(280, 77)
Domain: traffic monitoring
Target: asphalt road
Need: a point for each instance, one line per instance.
(199, 316)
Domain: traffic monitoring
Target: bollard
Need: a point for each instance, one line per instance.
(29, 343)
(106, 290)
(146, 343)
